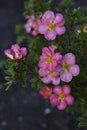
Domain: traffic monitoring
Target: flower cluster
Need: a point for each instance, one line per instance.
(55, 67)
(50, 25)
(58, 96)
(57, 46)
(48, 63)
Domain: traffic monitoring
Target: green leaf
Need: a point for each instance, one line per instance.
(8, 84)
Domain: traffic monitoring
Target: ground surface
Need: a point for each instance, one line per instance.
(22, 108)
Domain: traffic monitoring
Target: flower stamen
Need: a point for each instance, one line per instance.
(62, 96)
(66, 67)
(49, 59)
(51, 26)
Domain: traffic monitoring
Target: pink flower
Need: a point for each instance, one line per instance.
(49, 59)
(45, 92)
(35, 27)
(32, 25)
(61, 97)
(28, 25)
(15, 52)
(52, 25)
(68, 68)
(49, 76)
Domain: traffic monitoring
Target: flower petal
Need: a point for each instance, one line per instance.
(57, 90)
(51, 66)
(51, 48)
(69, 99)
(27, 28)
(46, 79)
(50, 35)
(61, 24)
(60, 30)
(75, 70)
(58, 57)
(66, 89)
(62, 105)
(42, 64)
(48, 17)
(15, 48)
(34, 33)
(58, 18)
(23, 51)
(66, 77)
(59, 69)
(9, 54)
(42, 72)
(48, 51)
(69, 58)
(53, 99)
(42, 29)
(56, 80)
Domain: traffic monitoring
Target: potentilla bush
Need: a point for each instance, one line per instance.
(55, 56)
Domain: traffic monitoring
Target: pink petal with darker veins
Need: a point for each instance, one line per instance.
(51, 48)
(51, 66)
(47, 51)
(42, 64)
(48, 17)
(58, 18)
(61, 24)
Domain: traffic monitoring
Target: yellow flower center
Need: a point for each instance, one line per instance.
(49, 59)
(66, 67)
(62, 96)
(48, 93)
(51, 26)
(36, 28)
(51, 73)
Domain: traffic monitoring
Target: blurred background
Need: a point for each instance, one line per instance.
(23, 108)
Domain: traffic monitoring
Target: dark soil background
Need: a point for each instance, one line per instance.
(23, 108)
